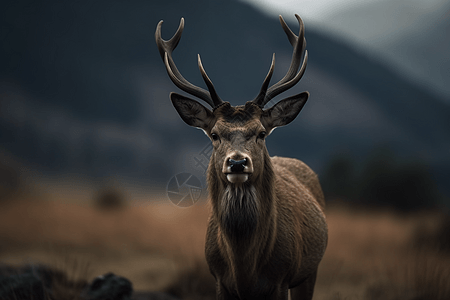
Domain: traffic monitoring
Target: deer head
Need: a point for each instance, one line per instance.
(237, 132)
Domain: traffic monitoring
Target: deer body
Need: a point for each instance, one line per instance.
(267, 235)
(267, 231)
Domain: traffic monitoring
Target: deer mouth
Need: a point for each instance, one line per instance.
(237, 170)
(237, 177)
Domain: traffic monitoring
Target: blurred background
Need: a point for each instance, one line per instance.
(85, 116)
(84, 92)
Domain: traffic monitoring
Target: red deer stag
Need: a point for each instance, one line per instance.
(267, 231)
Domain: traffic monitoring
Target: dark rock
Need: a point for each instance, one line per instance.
(109, 287)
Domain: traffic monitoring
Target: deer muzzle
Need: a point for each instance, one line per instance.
(237, 168)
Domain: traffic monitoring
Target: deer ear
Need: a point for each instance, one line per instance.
(192, 112)
(284, 112)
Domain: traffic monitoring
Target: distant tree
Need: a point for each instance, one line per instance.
(384, 179)
(109, 199)
(10, 181)
(338, 180)
(388, 180)
(377, 184)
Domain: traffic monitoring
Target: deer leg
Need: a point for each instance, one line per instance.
(305, 290)
(280, 293)
(285, 294)
(222, 293)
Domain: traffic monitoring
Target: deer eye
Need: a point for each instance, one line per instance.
(262, 135)
(214, 137)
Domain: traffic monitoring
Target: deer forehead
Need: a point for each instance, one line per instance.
(245, 116)
(233, 130)
(243, 120)
(239, 113)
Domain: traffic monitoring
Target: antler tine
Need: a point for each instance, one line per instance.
(292, 77)
(170, 45)
(298, 42)
(184, 85)
(165, 50)
(262, 93)
(278, 89)
(212, 91)
(291, 36)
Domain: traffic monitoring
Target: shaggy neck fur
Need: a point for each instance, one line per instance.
(245, 213)
(246, 220)
(240, 210)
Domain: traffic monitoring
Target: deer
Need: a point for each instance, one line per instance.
(267, 230)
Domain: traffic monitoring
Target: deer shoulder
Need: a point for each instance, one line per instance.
(294, 169)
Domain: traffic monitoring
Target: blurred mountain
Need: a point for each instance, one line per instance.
(83, 90)
(411, 35)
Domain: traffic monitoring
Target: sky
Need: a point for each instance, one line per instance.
(386, 29)
(314, 10)
(319, 11)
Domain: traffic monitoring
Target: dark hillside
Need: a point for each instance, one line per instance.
(83, 89)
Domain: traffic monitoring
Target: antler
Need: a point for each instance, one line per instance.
(292, 77)
(165, 50)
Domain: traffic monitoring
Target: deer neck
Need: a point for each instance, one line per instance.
(245, 213)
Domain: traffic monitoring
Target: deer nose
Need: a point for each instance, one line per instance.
(237, 166)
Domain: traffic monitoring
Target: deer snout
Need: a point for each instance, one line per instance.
(237, 168)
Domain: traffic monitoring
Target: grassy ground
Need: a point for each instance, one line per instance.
(371, 254)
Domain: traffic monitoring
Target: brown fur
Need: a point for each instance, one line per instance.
(267, 231)
(288, 244)
(267, 234)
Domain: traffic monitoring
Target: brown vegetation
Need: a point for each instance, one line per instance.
(110, 199)
(371, 254)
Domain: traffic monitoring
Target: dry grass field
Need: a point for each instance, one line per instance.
(371, 255)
